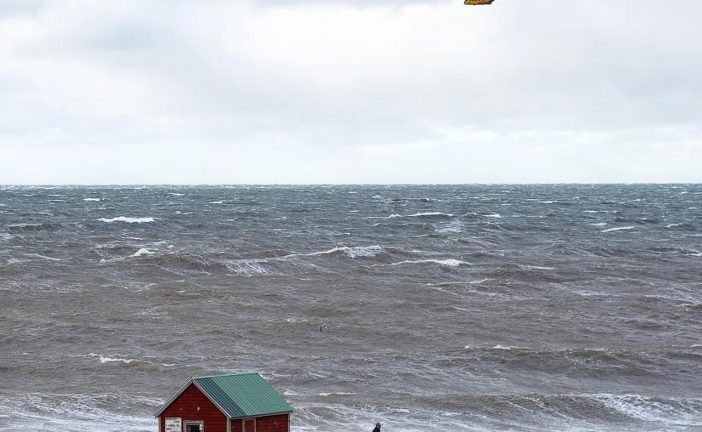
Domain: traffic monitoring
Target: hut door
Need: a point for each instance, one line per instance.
(250, 425)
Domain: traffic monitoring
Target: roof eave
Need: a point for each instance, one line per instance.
(182, 389)
(262, 415)
(211, 399)
(173, 398)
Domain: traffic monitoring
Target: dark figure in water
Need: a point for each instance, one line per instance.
(377, 427)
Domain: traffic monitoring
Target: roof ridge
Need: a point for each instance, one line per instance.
(225, 375)
(224, 393)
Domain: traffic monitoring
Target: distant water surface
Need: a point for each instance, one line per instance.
(447, 308)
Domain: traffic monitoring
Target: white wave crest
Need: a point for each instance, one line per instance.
(35, 255)
(506, 347)
(453, 226)
(624, 228)
(671, 411)
(105, 359)
(246, 267)
(142, 252)
(421, 214)
(352, 252)
(91, 199)
(126, 219)
(535, 267)
(414, 215)
(450, 262)
(24, 225)
(80, 413)
(493, 215)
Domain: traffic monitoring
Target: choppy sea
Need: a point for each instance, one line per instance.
(443, 308)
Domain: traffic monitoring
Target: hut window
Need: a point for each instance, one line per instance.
(194, 427)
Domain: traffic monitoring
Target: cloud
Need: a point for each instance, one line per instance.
(349, 91)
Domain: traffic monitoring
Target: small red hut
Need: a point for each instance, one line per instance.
(225, 403)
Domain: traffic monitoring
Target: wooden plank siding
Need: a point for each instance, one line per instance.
(186, 407)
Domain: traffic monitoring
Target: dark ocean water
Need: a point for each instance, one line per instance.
(447, 308)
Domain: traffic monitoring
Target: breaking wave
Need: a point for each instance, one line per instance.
(128, 219)
(624, 228)
(450, 262)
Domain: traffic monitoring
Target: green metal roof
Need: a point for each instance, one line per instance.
(245, 395)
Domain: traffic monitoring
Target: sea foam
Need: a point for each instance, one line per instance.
(105, 359)
(450, 262)
(352, 252)
(625, 228)
(128, 219)
(142, 252)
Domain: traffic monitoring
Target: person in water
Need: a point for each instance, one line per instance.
(377, 427)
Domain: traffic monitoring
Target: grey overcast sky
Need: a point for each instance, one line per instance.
(312, 91)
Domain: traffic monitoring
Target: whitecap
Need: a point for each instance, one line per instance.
(352, 252)
(625, 228)
(105, 359)
(246, 267)
(175, 194)
(506, 347)
(142, 252)
(453, 226)
(128, 219)
(673, 225)
(450, 262)
(24, 225)
(493, 215)
(598, 224)
(665, 410)
(421, 214)
(590, 211)
(538, 267)
(91, 199)
(35, 255)
(216, 202)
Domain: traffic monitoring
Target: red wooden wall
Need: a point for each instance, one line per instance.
(186, 407)
(275, 423)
